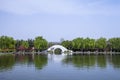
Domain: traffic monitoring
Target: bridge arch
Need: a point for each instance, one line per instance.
(54, 47)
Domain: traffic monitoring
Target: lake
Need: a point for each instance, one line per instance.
(59, 67)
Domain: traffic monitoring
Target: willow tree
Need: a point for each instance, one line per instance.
(7, 42)
(40, 43)
(101, 43)
(114, 43)
(89, 43)
(77, 43)
(67, 44)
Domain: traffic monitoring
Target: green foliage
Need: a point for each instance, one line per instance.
(101, 43)
(77, 43)
(22, 43)
(30, 42)
(25, 44)
(81, 43)
(114, 43)
(40, 43)
(89, 43)
(7, 42)
(67, 44)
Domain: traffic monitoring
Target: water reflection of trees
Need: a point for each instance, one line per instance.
(40, 61)
(102, 61)
(80, 61)
(24, 59)
(88, 61)
(6, 62)
(115, 60)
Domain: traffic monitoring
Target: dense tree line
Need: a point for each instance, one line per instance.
(89, 44)
(8, 44)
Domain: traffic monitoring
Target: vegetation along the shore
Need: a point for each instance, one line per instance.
(9, 44)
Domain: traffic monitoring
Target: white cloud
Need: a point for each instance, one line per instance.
(60, 7)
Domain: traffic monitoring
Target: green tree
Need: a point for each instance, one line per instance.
(67, 44)
(77, 43)
(7, 43)
(22, 45)
(40, 43)
(30, 42)
(25, 44)
(89, 43)
(101, 43)
(18, 43)
(115, 43)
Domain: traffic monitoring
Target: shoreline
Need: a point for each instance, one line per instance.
(71, 53)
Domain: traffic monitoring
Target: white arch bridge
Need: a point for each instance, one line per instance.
(54, 47)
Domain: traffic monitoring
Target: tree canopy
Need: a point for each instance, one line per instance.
(40, 43)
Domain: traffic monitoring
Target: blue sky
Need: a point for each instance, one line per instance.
(56, 19)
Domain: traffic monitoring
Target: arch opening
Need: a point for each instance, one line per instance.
(58, 51)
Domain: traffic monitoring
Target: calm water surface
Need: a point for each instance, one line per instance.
(59, 67)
